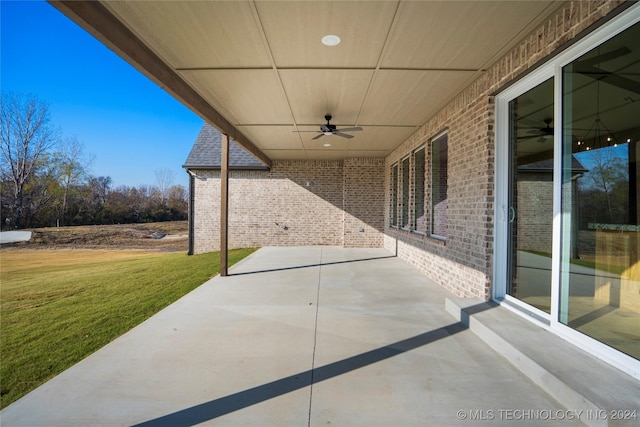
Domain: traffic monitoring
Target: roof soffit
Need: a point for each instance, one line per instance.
(261, 66)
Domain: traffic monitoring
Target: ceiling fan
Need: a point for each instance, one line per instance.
(330, 129)
(542, 133)
(546, 131)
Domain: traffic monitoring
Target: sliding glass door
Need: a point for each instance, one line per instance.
(567, 233)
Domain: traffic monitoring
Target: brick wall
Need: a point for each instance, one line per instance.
(535, 220)
(463, 263)
(295, 203)
(363, 201)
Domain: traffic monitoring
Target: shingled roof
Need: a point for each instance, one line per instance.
(205, 153)
(547, 166)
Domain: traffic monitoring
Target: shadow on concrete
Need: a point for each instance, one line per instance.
(310, 265)
(591, 316)
(216, 408)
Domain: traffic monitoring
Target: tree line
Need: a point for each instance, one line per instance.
(45, 179)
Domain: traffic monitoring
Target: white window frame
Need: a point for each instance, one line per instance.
(414, 226)
(394, 192)
(401, 224)
(551, 69)
(431, 213)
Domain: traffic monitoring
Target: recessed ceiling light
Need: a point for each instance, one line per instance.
(327, 145)
(330, 40)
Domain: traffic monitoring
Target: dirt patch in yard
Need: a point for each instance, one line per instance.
(159, 236)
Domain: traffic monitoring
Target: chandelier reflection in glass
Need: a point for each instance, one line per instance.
(602, 137)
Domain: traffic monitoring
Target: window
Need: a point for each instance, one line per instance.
(419, 217)
(405, 193)
(439, 157)
(394, 195)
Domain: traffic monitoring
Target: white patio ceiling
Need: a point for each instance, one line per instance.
(258, 71)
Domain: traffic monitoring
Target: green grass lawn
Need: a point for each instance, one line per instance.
(60, 306)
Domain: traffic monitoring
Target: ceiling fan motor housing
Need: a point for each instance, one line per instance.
(328, 129)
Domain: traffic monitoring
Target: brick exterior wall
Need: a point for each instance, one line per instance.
(363, 201)
(295, 203)
(463, 262)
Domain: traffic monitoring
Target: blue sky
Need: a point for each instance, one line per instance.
(130, 125)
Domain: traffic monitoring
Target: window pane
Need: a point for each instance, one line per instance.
(394, 195)
(405, 192)
(439, 159)
(419, 217)
(600, 282)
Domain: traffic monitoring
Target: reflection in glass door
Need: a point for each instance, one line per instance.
(530, 231)
(600, 270)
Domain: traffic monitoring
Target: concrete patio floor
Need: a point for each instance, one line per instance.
(306, 336)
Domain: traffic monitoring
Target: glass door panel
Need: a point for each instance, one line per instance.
(531, 196)
(600, 268)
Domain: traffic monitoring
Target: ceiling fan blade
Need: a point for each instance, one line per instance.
(344, 135)
(604, 57)
(353, 129)
(532, 136)
(608, 77)
(622, 82)
(535, 124)
(318, 136)
(304, 131)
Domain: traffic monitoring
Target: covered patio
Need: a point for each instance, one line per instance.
(314, 336)
(267, 74)
(292, 337)
(326, 334)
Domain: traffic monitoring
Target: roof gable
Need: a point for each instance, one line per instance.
(206, 150)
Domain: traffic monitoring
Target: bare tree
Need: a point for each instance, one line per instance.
(73, 163)
(164, 181)
(98, 189)
(607, 184)
(25, 136)
(178, 198)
